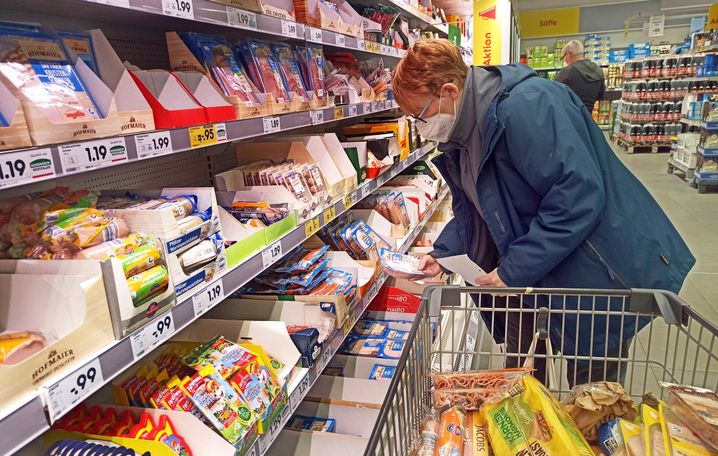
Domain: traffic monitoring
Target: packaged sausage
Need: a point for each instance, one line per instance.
(113, 248)
(450, 435)
(36, 65)
(204, 252)
(311, 61)
(181, 206)
(256, 385)
(378, 348)
(527, 419)
(698, 408)
(289, 70)
(143, 258)
(301, 260)
(148, 284)
(82, 227)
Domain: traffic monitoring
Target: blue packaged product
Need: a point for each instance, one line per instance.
(311, 423)
(306, 340)
(35, 63)
(374, 347)
(396, 334)
(610, 439)
(267, 70)
(81, 45)
(371, 328)
(382, 372)
(289, 70)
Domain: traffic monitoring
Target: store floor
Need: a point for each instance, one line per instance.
(696, 217)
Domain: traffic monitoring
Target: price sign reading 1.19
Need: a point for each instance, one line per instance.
(27, 166)
(92, 154)
(178, 8)
(208, 298)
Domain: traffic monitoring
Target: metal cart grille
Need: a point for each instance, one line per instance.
(637, 337)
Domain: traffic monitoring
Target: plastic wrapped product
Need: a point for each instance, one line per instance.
(204, 252)
(219, 403)
(81, 45)
(652, 432)
(399, 263)
(113, 248)
(268, 70)
(336, 282)
(378, 348)
(632, 437)
(378, 240)
(311, 61)
(17, 346)
(148, 284)
(592, 404)
(306, 339)
(476, 437)
(143, 258)
(678, 438)
(311, 423)
(301, 260)
(370, 328)
(369, 249)
(527, 419)
(429, 434)
(256, 384)
(217, 55)
(382, 372)
(264, 212)
(84, 228)
(698, 408)
(450, 435)
(224, 355)
(181, 206)
(289, 70)
(36, 65)
(495, 379)
(610, 439)
(294, 182)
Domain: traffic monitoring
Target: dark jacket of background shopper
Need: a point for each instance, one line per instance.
(586, 80)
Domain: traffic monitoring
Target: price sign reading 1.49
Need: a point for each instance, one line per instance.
(26, 166)
(178, 8)
(92, 154)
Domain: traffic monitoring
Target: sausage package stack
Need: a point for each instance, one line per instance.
(186, 220)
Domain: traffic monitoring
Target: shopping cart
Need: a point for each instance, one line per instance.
(464, 328)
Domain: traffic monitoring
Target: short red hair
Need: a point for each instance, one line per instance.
(425, 68)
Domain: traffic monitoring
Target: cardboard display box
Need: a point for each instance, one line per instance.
(16, 134)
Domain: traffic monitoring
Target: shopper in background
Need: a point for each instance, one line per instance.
(583, 76)
(540, 200)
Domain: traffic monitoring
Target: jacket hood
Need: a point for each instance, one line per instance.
(483, 85)
(588, 70)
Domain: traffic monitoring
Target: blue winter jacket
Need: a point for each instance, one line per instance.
(563, 211)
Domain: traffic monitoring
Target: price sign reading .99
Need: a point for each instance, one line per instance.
(26, 166)
(71, 390)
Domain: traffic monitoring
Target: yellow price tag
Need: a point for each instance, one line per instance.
(329, 214)
(202, 135)
(338, 113)
(349, 324)
(349, 200)
(311, 227)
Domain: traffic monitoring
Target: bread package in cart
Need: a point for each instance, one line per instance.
(698, 408)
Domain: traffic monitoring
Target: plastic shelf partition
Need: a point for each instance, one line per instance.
(23, 423)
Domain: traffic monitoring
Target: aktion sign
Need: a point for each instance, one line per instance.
(487, 33)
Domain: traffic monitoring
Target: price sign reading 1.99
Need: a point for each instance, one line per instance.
(178, 8)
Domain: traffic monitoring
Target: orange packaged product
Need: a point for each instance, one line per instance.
(450, 438)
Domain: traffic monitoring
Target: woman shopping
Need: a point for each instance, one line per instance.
(539, 200)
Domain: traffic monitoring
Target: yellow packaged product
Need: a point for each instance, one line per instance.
(632, 435)
(529, 421)
(476, 439)
(678, 438)
(652, 432)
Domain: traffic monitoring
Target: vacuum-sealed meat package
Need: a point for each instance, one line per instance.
(268, 70)
(312, 59)
(36, 65)
(289, 70)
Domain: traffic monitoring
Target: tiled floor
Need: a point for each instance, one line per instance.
(696, 217)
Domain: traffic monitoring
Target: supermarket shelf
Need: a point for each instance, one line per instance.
(299, 388)
(710, 153)
(411, 12)
(178, 140)
(691, 122)
(23, 423)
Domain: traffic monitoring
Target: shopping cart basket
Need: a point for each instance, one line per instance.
(661, 339)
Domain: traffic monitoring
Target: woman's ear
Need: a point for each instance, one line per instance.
(451, 90)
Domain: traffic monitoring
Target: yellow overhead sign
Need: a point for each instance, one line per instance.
(563, 21)
(487, 33)
(712, 23)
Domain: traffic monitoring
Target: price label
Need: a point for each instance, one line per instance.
(65, 394)
(240, 18)
(366, 108)
(349, 323)
(317, 116)
(338, 113)
(349, 200)
(271, 254)
(208, 298)
(271, 124)
(382, 49)
(120, 3)
(298, 394)
(353, 110)
(330, 214)
(27, 166)
(340, 40)
(152, 335)
(315, 35)
(364, 191)
(375, 106)
(311, 227)
(153, 144)
(178, 8)
(361, 44)
(221, 130)
(324, 359)
(289, 28)
(202, 135)
(92, 154)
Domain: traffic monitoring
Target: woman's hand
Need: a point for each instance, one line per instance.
(430, 266)
(492, 279)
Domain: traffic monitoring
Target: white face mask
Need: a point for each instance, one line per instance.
(439, 126)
